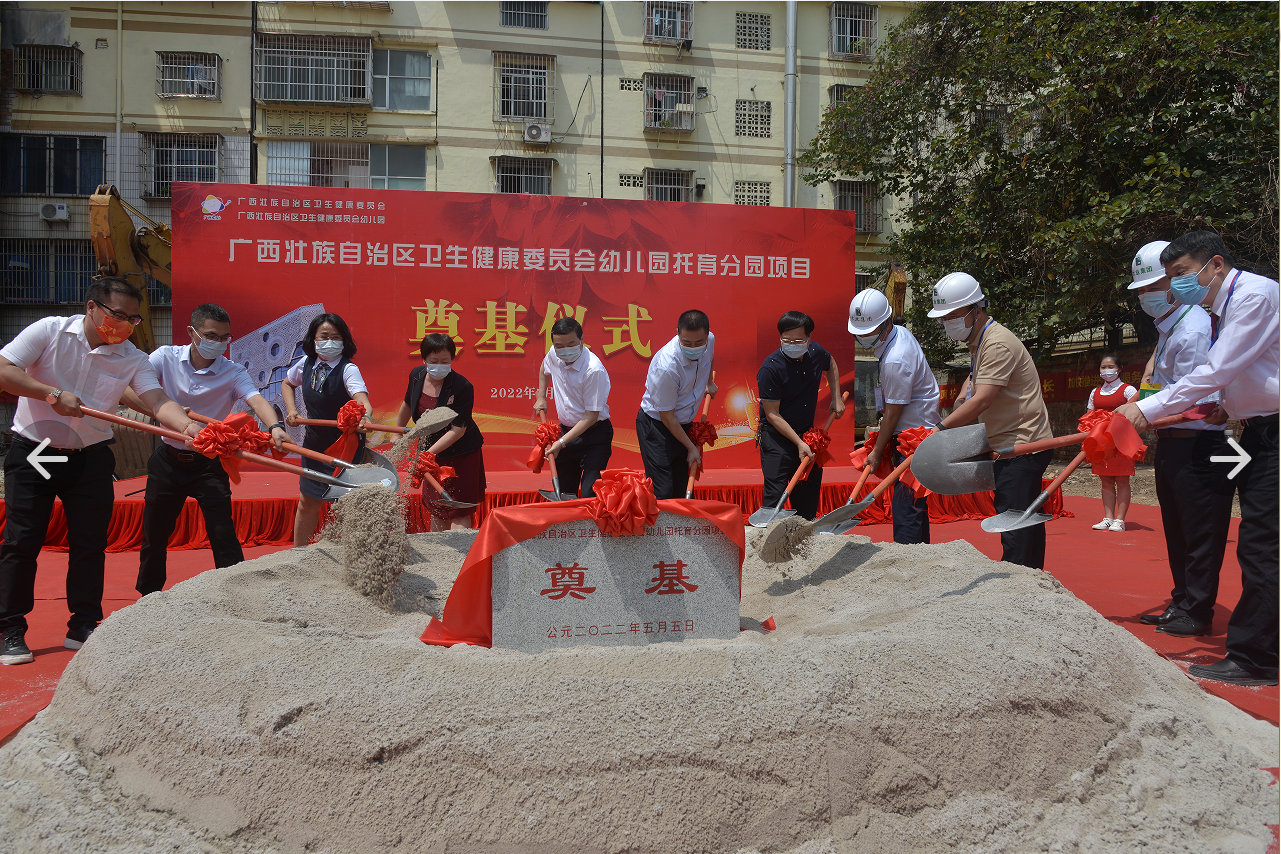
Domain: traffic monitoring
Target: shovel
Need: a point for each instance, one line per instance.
(693, 475)
(1012, 520)
(839, 520)
(553, 494)
(761, 518)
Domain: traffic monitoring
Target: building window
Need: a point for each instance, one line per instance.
(529, 175)
(668, 185)
(189, 75)
(402, 80)
(168, 157)
(862, 198)
(313, 69)
(752, 118)
(631, 180)
(838, 94)
(862, 281)
(751, 31)
(318, 164)
(751, 193)
(51, 165)
(669, 103)
(668, 22)
(630, 84)
(524, 87)
(398, 167)
(853, 31)
(50, 69)
(46, 271)
(530, 16)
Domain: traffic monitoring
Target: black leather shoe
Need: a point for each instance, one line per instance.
(13, 647)
(1158, 619)
(1228, 670)
(79, 636)
(1185, 627)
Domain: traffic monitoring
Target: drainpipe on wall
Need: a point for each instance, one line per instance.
(789, 110)
(120, 63)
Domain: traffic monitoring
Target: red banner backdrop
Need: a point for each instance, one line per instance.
(1058, 386)
(495, 271)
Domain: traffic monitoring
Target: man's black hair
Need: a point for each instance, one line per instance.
(437, 342)
(100, 289)
(1201, 245)
(209, 311)
(693, 321)
(795, 320)
(309, 341)
(568, 326)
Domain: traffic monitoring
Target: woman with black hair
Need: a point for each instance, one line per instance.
(328, 379)
(432, 384)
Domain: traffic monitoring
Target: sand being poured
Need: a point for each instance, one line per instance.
(913, 698)
(430, 422)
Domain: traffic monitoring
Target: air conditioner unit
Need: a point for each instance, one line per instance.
(54, 212)
(536, 134)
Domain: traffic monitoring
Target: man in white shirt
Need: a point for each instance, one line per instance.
(906, 393)
(581, 386)
(202, 379)
(53, 366)
(1243, 367)
(1195, 494)
(679, 374)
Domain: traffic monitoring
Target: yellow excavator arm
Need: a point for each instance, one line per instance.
(128, 253)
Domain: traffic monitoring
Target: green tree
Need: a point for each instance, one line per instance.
(1039, 145)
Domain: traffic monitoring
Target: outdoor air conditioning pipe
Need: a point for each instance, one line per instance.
(789, 110)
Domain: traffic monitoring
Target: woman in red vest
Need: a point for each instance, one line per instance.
(1113, 473)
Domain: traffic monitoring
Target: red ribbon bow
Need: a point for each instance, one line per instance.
(427, 464)
(702, 433)
(858, 458)
(624, 503)
(1110, 435)
(222, 439)
(348, 418)
(910, 439)
(544, 437)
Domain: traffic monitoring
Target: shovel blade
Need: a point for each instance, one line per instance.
(839, 528)
(1013, 520)
(761, 518)
(384, 474)
(955, 462)
(554, 496)
(842, 514)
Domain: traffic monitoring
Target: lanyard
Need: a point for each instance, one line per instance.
(885, 348)
(1161, 349)
(970, 391)
(1214, 336)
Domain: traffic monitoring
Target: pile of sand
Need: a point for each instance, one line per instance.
(913, 698)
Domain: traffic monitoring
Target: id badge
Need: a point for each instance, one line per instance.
(1148, 389)
(880, 400)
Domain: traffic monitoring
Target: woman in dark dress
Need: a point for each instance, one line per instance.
(434, 384)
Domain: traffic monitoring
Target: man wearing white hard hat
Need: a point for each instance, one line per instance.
(1003, 393)
(907, 394)
(1194, 493)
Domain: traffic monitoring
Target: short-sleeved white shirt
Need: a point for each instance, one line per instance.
(350, 375)
(906, 380)
(581, 386)
(55, 351)
(211, 391)
(676, 384)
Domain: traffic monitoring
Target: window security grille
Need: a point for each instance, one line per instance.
(838, 93)
(402, 80)
(630, 84)
(168, 157)
(45, 271)
(751, 31)
(189, 75)
(51, 165)
(668, 185)
(751, 192)
(853, 31)
(752, 118)
(398, 167)
(668, 22)
(669, 103)
(529, 175)
(531, 16)
(862, 281)
(318, 164)
(524, 87)
(312, 69)
(862, 198)
(631, 180)
(53, 69)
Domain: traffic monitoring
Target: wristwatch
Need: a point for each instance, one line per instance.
(52, 397)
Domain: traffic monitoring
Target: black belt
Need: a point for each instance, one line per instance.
(1177, 433)
(1260, 420)
(54, 449)
(183, 455)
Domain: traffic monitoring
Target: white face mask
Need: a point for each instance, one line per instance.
(438, 372)
(957, 329)
(1154, 304)
(329, 349)
(1108, 374)
(210, 349)
(868, 342)
(569, 355)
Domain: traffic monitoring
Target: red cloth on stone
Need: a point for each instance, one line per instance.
(624, 503)
(348, 419)
(544, 437)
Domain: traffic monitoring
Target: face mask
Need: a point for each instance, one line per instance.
(868, 342)
(1108, 374)
(1154, 304)
(114, 331)
(329, 349)
(956, 329)
(210, 349)
(794, 351)
(569, 355)
(693, 353)
(1188, 289)
(438, 372)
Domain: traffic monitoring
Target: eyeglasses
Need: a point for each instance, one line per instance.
(133, 319)
(209, 336)
(795, 342)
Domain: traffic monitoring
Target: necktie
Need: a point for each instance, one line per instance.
(318, 376)
(1214, 327)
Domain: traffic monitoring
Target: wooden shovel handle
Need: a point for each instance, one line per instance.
(858, 487)
(288, 446)
(1065, 474)
(891, 477)
(1064, 441)
(372, 428)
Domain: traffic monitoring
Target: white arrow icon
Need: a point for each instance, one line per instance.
(1241, 460)
(35, 459)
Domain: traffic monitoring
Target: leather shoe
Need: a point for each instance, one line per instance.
(1158, 619)
(1228, 670)
(1185, 627)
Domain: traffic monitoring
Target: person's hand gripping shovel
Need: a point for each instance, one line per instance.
(553, 494)
(763, 517)
(697, 434)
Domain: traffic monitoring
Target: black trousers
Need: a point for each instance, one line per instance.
(664, 457)
(779, 461)
(1196, 508)
(172, 476)
(911, 514)
(1252, 629)
(1018, 483)
(83, 483)
(581, 461)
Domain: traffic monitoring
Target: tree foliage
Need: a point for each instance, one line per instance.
(1039, 145)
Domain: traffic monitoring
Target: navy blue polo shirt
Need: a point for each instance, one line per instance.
(794, 384)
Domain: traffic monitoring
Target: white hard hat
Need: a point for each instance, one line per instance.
(953, 291)
(868, 310)
(1146, 266)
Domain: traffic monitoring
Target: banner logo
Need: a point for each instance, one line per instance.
(212, 206)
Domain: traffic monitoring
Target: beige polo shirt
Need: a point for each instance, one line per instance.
(1018, 414)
